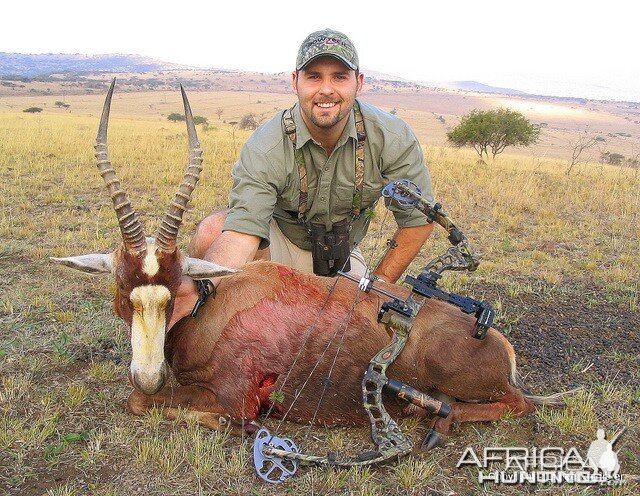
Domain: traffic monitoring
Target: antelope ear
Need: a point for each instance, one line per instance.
(197, 268)
(96, 263)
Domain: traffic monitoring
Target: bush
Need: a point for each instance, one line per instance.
(493, 130)
(612, 158)
(248, 121)
(33, 110)
(198, 119)
(175, 117)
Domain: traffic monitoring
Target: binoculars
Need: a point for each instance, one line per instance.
(330, 249)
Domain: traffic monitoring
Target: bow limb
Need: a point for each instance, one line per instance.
(385, 432)
(331, 461)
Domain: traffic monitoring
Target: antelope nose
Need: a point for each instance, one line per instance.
(149, 382)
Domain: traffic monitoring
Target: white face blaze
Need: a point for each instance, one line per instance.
(150, 264)
(148, 332)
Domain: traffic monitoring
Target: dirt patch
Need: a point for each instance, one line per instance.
(104, 349)
(557, 338)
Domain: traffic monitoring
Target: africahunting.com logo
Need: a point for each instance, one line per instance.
(550, 465)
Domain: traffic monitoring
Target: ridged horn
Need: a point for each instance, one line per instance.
(168, 230)
(130, 225)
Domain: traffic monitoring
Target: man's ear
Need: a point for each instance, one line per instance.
(96, 263)
(359, 83)
(294, 81)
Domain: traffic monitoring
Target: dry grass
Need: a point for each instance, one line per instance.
(64, 428)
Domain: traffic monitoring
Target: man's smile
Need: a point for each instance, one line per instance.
(326, 104)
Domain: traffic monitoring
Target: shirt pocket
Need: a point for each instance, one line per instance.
(289, 199)
(344, 198)
(370, 196)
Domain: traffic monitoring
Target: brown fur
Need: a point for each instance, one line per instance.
(227, 358)
(130, 274)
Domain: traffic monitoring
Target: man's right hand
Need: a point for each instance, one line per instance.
(186, 298)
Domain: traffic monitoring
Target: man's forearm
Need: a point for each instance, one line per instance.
(408, 240)
(233, 249)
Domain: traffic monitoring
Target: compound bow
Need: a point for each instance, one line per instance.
(277, 459)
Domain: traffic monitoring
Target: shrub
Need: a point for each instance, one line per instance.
(33, 110)
(175, 117)
(612, 158)
(248, 121)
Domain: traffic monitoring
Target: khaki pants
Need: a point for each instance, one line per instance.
(285, 252)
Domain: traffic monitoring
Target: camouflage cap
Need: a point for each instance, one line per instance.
(327, 43)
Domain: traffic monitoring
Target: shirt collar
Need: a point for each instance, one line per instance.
(303, 135)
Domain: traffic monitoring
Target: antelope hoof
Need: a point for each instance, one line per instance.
(433, 439)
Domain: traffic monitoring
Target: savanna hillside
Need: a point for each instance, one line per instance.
(432, 111)
(560, 264)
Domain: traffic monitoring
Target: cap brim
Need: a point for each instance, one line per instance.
(351, 66)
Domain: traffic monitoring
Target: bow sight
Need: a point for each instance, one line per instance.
(276, 459)
(458, 257)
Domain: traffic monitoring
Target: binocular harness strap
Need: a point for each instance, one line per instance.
(290, 130)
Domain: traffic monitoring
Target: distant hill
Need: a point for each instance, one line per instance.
(450, 85)
(34, 65)
(19, 65)
(31, 65)
(474, 86)
(371, 74)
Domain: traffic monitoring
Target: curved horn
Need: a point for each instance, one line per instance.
(130, 225)
(168, 230)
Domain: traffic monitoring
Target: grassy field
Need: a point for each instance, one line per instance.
(560, 264)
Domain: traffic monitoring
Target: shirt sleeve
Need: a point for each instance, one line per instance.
(403, 159)
(253, 195)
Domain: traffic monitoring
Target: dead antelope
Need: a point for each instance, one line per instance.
(229, 359)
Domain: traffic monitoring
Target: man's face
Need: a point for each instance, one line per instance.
(326, 91)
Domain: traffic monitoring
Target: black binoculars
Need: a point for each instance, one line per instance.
(330, 249)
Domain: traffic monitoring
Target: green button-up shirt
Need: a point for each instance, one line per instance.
(266, 182)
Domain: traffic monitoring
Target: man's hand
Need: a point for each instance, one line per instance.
(186, 298)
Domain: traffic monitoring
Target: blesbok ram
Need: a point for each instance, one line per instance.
(243, 343)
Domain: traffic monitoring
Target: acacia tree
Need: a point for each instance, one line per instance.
(493, 130)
